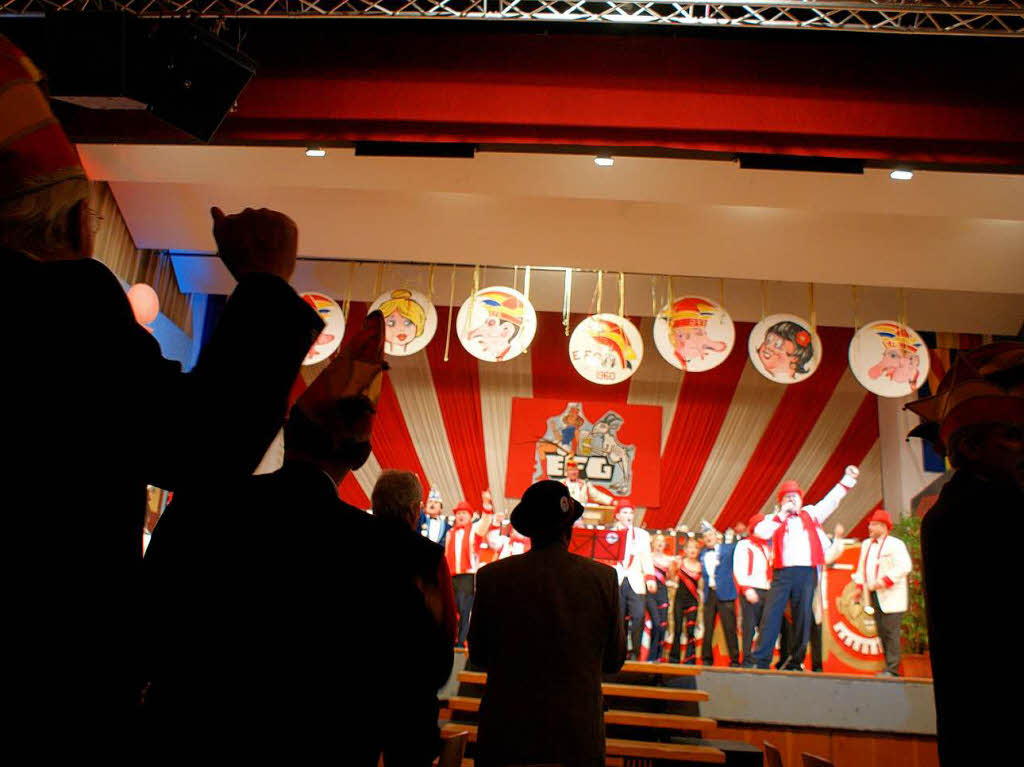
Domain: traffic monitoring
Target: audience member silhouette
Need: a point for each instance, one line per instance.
(262, 632)
(425, 667)
(95, 412)
(545, 625)
(976, 418)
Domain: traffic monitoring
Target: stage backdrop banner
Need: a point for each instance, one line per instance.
(620, 443)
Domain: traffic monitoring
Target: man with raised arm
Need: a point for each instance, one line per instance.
(798, 550)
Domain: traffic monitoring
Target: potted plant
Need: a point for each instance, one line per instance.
(914, 629)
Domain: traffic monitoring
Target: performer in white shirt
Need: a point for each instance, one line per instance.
(502, 540)
(432, 524)
(752, 571)
(798, 550)
(636, 572)
(462, 550)
(882, 570)
(582, 490)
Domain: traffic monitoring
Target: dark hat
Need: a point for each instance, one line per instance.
(544, 508)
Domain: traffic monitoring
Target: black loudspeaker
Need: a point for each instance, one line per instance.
(175, 69)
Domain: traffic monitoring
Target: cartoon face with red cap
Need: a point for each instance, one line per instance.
(900, 362)
(689, 336)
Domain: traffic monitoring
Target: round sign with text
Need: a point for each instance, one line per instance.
(606, 348)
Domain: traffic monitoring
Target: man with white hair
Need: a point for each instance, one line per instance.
(96, 409)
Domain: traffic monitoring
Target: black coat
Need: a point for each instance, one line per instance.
(285, 613)
(545, 625)
(94, 414)
(971, 584)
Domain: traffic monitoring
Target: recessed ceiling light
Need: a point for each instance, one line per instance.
(604, 160)
(315, 151)
(901, 175)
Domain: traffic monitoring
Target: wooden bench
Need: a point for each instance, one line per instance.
(700, 724)
(638, 749)
(616, 690)
(663, 669)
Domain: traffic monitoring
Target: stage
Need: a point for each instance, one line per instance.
(854, 720)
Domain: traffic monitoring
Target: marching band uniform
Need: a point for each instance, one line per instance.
(752, 570)
(716, 564)
(634, 571)
(882, 569)
(798, 549)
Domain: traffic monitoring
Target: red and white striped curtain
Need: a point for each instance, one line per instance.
(729, 436)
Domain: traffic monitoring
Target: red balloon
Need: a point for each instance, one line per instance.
(144, 301)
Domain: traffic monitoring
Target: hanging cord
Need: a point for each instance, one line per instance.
(566, 297)
(430, 284)
(654, 297)
(472, 298)
(451, 308)
(515, 277)
(622, 295)
(378, 282)
(526, 283)
(814, 311)
(671, 292)
(600, 289)
(764, 300)
(721, 293)
(348, 290)
(903, 308)
(856, 319)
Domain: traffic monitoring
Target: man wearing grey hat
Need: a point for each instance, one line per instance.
(545, 626)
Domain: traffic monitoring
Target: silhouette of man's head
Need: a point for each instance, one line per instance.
(397, 496)
(546, 512)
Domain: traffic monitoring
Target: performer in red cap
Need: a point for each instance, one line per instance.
(752, 571)
(976, 419)
(462, 550)
(636, 573)
(882, 570)
(798, 550)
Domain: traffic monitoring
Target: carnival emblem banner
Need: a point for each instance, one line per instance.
(694, 333)
(606, 348)
(410, 321)
(334, 327)
(618, 446)
(784, 348)
(496, 324)
(889, 359)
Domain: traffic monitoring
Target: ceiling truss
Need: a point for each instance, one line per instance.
(944, 17)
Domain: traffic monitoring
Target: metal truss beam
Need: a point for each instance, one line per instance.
(935, 17)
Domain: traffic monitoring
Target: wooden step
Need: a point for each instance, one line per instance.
(664, 669)
(639, 749)
(616, 716)
(615, 689)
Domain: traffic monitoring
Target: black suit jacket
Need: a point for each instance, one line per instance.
(965, 608)
(94, 413)
(282, 613)
(545, 625)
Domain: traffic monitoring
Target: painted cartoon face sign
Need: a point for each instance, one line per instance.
(888, 359)
(410, 321)
(694, 333)
(606, 348)
(334, 327)
(783, 348)
(496, 324)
